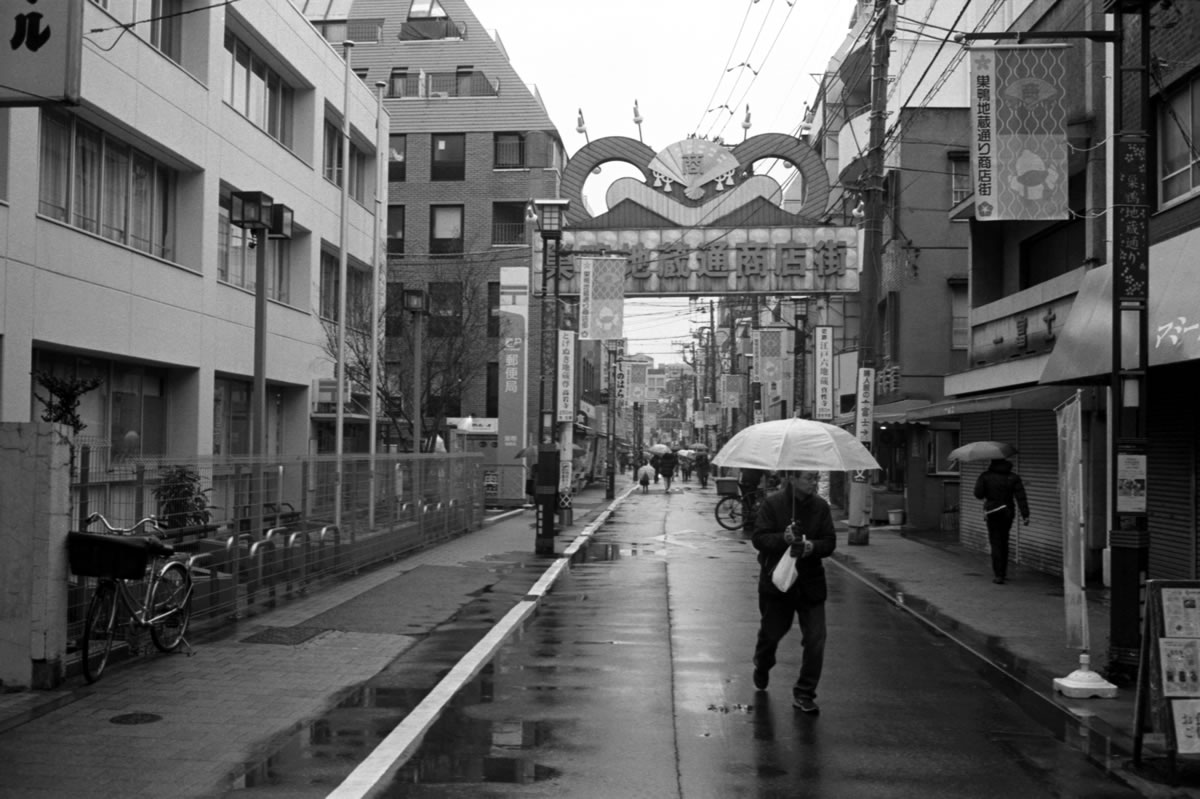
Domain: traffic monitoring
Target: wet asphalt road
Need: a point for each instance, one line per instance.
(633, 680)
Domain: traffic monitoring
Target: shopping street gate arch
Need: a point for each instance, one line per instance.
(701, 223)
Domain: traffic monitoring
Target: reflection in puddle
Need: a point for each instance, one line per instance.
(459, 748)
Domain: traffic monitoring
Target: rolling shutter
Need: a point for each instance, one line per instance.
(1171, 488)
(1039, 545)
(972, 530)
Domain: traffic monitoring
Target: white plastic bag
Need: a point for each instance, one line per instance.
(785, 571)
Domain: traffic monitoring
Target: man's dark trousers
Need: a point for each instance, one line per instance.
(777, 612)
(999, 523)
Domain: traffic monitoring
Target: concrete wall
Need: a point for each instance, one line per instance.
(34, 517)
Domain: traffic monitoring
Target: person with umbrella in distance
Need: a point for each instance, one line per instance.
(793, 522)
(1003, 494)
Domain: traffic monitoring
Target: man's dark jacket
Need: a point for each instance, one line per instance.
(813, 519)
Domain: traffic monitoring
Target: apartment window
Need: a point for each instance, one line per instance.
(166, 27)
(509, 150)
(236, 259)
(332, 161)
(257, 92)
(358, 291)
(398, 83)
(960, 320)
(116, 191)
(446, 230)
(397, 157)
(362, 74)
(508, 223)
(395, 230)
(493, 301)
(231, 417)
(449, 159)
(125, 414)
(393, 319)
(960, 177)
(445, 309)
(1179, 125)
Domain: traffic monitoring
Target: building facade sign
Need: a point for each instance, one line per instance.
(714, 260)
(41, 63)
(564, 392)
(601, 298)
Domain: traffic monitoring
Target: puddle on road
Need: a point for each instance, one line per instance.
(458, 748)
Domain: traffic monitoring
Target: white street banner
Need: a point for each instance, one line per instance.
(823, 405)
(601, 297)
(564, 391)
(1019, 132)
(864, 418)
(1070, 487)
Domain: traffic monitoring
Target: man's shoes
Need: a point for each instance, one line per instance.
(805, 704)
(998, 580)
(761, 678)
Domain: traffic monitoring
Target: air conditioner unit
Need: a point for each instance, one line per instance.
(439, 94)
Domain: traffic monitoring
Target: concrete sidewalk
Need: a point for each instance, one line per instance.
(225, 704)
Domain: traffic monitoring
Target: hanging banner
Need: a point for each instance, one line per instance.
(864, 417)
(601, 297)
(1019, 132)
(564, 391)
(514, 368)
(41, 63)
(823, 345)
(1070, 486)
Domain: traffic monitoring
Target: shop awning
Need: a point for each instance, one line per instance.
(887, 413)
(1046, 397)
(1083, 352)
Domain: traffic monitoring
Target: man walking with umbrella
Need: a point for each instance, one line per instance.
(1002, 493)
(793, 522)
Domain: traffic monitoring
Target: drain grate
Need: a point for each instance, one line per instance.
(136, 718)
(288, 636)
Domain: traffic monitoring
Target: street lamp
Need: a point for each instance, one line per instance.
(256, 212)
(549, 218)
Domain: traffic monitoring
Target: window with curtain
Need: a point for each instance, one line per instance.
(257, 92)
(397, 155)
(117, 191)
(166, 27)
(358, 290)
(446, 230)
(445, 309)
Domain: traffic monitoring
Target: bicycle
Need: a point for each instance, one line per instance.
(733, 511)
(118, 557)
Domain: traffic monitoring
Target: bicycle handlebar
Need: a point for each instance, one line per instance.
(135, 527)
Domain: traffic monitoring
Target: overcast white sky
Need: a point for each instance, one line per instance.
(691, 65)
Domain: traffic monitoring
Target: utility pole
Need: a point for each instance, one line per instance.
(872, 255)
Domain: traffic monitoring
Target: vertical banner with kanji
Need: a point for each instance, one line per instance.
(564, 386)
(823, 354)
(601, 297)
(514, 364)
(864, 418)
(1019, 132)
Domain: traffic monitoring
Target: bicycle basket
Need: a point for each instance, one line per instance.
(728, 487)
(122, 557)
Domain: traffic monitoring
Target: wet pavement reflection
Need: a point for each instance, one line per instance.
(633, 679)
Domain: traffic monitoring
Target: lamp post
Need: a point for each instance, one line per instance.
(415, 301)
(256, 212)
(550, 218)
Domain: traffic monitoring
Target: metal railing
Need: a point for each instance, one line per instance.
(259, 532)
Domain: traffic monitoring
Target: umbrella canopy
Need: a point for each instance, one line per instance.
(795, 444)
(983, 451)
(700, 447)
(659, 449)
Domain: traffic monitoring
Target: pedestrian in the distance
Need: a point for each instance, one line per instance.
(666, 467)
(1003, 494)
(793, 521)
(702, 465)
(645, 475)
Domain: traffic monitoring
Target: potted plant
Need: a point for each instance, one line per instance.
(181, 500)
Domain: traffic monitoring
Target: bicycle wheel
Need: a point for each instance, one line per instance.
(170, 606)
(730, 512)
(98, 629)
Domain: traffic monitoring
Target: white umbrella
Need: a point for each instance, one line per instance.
(983, 451)
(795, 444)
(659, 449)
